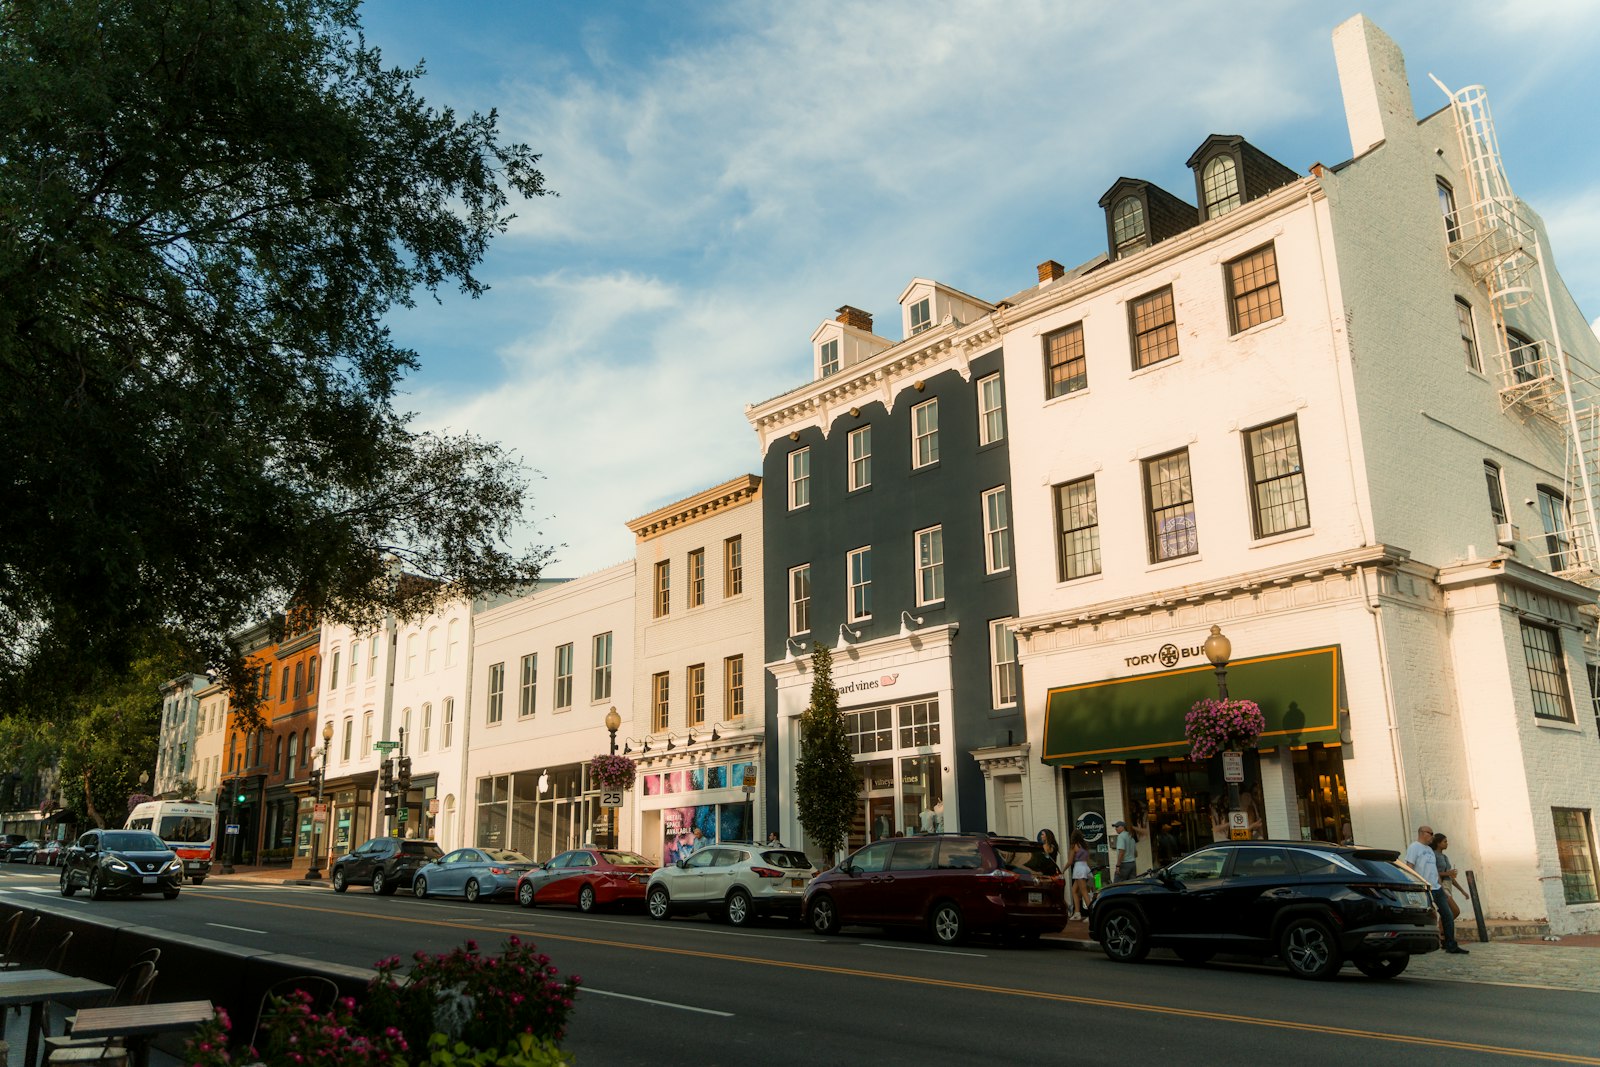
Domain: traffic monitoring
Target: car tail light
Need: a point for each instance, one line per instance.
(1002, 874)
(765, 872)
(497, 870)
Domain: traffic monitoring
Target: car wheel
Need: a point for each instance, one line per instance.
(525, 895)
(95, 892)
(340, 882)
(419, 888)
(1382, 966)
(824, 916)
(738, 908)
(586, 900)
(170, 894)
(67, 888)
(1308, 949)
(659, 903)
(380, 884)
(1123, 937)
(1194, 956)
(471, 890)
(946, 924)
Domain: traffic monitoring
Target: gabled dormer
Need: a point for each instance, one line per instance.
(1230, 171)
(926, 304)
(845, 341)
(1138, 214)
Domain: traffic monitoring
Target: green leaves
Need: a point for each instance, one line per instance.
(826, 781)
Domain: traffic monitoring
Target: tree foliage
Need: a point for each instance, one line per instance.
(826, 781)
(206, 212)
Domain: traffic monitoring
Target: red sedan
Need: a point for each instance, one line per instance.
(587, 877)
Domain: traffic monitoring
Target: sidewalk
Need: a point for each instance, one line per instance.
(1572, 963)
(295, 875)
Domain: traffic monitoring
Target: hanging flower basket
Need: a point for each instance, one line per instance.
(612, 772)
(1214, 726)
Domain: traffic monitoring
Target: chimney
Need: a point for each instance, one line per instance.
(1050, 270)
(1372, 77)
(855, 317)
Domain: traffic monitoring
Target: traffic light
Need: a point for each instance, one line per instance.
(391, 804)
(386, 776)
(314, 781)
(403, 778)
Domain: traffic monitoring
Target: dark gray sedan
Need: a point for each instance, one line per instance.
(474, 873)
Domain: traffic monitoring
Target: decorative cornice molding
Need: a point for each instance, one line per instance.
(741, 490)
(1002, 759)
(928, 639)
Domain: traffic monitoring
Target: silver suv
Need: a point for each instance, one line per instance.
(735, 883)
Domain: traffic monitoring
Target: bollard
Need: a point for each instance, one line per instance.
(1477, 908)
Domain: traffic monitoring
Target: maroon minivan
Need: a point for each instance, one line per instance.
(954, 884)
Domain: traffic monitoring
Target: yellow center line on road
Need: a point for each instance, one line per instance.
(972, 987)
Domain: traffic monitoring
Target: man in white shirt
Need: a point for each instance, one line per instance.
(1420, 858)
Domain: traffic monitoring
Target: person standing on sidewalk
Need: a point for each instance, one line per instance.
(1420, 858)
(1123, 852)
(1447, 874)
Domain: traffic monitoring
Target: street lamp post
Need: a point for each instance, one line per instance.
(315, 871)
(613, 721)
(228, 839)
(1218, 650)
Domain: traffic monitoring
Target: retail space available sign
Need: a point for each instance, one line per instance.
(1168, 655)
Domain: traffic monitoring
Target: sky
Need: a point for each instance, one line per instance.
(729, 174)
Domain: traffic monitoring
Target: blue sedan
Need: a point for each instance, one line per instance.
(474, 873)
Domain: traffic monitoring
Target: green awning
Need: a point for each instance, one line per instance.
(1142, 717)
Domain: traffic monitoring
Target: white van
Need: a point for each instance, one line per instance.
(189, 827)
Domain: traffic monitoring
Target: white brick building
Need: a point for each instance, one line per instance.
(1281, 420)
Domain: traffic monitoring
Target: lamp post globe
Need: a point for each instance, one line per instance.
(613, 722)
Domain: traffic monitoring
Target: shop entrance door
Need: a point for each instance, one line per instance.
(1169, 803)
(874, 819)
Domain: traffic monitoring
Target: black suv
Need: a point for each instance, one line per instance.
(127, 862)
(1312, 905)
(384, 863)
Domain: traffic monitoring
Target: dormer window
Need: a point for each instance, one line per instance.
(921, 315)
(1127, 226)
(829, 357)
(1220, 186)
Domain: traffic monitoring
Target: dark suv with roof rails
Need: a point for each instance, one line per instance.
(952, 884)
(1313, 905)
(384, 863)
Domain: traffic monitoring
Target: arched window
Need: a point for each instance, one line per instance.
(299, 679)
(430, 658)
(1127, 225)
(427, 724)
(277, 755)
(1220, 181)
(294, 748)
(305, 746)
(452, 642)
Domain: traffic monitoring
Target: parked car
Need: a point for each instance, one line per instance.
(128, 862)
(22, 852)
(10, 841)
(736, 883)
(475, 873)
(384, 863)
(588, 877)
(48, 853)
(1312, 905)
(953, 884)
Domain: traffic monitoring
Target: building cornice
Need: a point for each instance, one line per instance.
(929, 639)
(741, 490)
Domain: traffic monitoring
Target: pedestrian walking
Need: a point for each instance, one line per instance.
(1124, 850)
(1079, 857)
(1052, 848)
(1447, 874)
(1420, 858)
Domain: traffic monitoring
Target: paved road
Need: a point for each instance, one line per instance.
(691, 991)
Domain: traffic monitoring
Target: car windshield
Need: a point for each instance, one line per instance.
(505, 855)
(787, 858)
(421, 848)
(132, 841)
(185, 828)
(1025, 855)
(625, 859)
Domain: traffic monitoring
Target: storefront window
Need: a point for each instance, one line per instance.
(1320, 795)
(1575, 851)
(921, 795)
(900, 796)
(494, 815)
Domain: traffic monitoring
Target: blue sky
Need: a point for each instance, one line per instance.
(729, 174)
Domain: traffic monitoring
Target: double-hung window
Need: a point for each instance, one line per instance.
(1003, 663)
(1497, 492)
(991, 410)
(1580, 875)
(1153, 322)
(447, 729)
(663, 589)
(860, 458)
(733, 687)
(660, 708)
(563, 696)
(1077, 529)
(530, 685)
(695, 686)
(697, 578)
(996, 531)
(799, 478)
(1469, 334)
(800, 599)
(1547, 672)
(733, 566)
(1523, 353)
(930, 565)
(1447, 206)
(1219, 183)
(1253, 293)
(925, 433)
(601, 689)
(861, 584)
(829, 357)
(1066, 369)
(1169, 507)
(1277, 479)
(497, 692)
(921, 316)
(1557, 543)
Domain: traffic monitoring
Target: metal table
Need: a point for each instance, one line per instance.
(38, 987)
(138, 1023)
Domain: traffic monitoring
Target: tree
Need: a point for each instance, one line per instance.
(207, 210)
(826, 782)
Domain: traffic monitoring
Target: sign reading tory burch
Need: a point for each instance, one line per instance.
(1168, 655)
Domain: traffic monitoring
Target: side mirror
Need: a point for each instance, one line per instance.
(682, 864)
(1166, 879)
